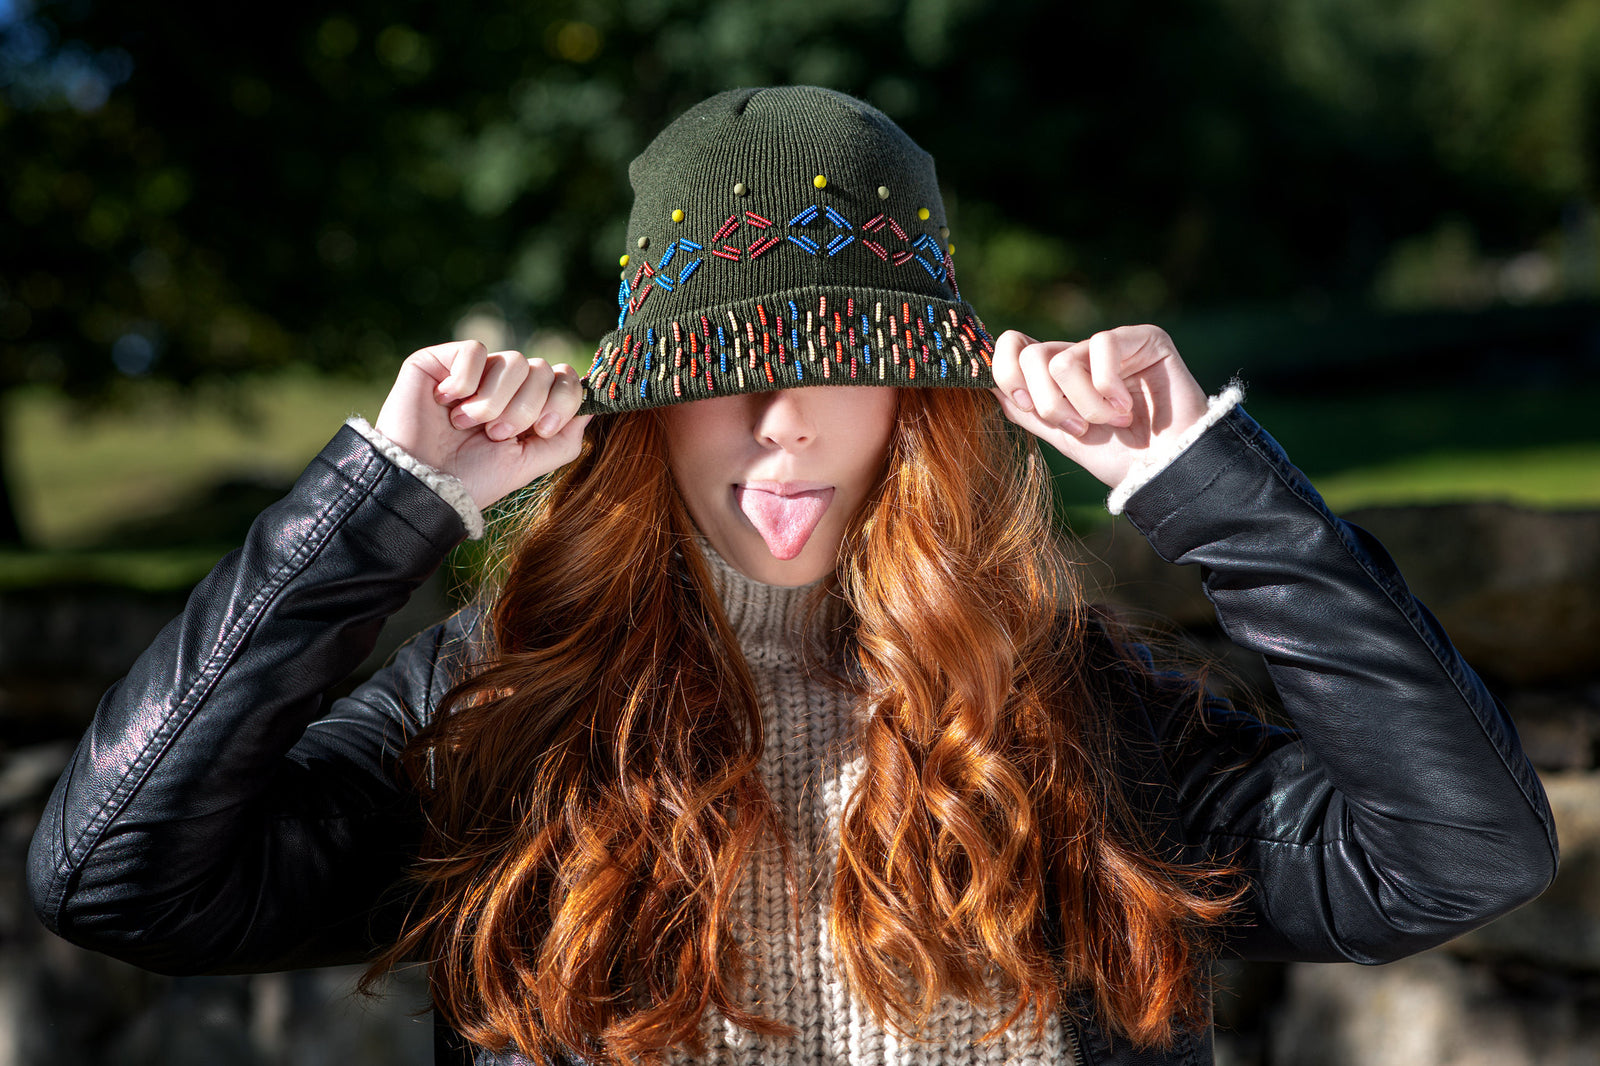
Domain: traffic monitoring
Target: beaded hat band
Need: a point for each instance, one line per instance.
(784, 237)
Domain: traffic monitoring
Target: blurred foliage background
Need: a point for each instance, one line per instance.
(1340, 198)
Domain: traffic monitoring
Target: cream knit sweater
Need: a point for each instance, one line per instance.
(810, 772)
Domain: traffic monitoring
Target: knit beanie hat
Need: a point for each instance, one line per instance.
(784, 237)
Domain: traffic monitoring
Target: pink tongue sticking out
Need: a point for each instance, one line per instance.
(784, 522)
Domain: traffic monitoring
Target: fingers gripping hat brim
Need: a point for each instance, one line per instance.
(784, 237)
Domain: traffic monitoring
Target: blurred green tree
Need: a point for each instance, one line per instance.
(212, 188)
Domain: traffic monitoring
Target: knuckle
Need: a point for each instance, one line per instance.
(1067, 361)
(1051, 407)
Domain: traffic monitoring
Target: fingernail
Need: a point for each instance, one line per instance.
(1076, 427)
(1118, 404)
(1022, 399)
(501, 431)
(460, 420)
(546, 425)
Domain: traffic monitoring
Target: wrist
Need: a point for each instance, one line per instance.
(1161, 456)
(448, 487)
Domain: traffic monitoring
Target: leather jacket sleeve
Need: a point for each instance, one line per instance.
(221, 815)
(1400, 812)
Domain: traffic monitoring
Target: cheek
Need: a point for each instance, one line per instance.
(702, 441)
(870, 421)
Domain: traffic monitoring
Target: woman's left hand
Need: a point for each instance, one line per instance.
(1105, 402)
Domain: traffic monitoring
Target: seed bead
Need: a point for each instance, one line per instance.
(677, 214)
(623, 261)
(740, 188)
(820, 181)
(922, 213)
(644, 242)
(883, 192)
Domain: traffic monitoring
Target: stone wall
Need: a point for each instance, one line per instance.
(1519, 590)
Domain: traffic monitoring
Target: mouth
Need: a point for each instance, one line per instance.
(785, 514)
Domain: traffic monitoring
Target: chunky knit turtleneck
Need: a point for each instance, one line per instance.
(810, 771)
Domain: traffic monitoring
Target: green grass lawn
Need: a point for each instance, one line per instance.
(79, 474)
(94, 487)
(121, 495)
(1538, 447)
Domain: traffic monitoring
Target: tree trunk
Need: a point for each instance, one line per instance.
(10, 528)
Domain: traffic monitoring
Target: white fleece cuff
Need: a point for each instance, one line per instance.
(1145, 470)
(448, 486)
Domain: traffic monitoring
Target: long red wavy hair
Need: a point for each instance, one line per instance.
(592, 797)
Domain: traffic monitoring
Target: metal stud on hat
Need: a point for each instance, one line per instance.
(796, 237)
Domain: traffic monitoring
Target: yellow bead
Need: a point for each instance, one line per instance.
(820, 181)
(677, 215)
(922, 213)
(622, 262)
(952, 248)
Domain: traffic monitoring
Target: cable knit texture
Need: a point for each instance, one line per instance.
(810, 769)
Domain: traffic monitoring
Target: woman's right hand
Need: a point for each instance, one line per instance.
(494, 420)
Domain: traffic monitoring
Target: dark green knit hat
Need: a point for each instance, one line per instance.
(783, 237)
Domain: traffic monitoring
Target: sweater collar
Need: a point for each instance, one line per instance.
(764, 618)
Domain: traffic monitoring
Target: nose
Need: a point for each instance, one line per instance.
(783, 419)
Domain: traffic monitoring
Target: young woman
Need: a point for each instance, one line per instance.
(784, 734)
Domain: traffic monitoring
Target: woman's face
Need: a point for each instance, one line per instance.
(772, 479)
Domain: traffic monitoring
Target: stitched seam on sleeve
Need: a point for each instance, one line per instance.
(447, 487)
(1212, 480)
(216, 662)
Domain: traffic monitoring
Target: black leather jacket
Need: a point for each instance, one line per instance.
(222, 815)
